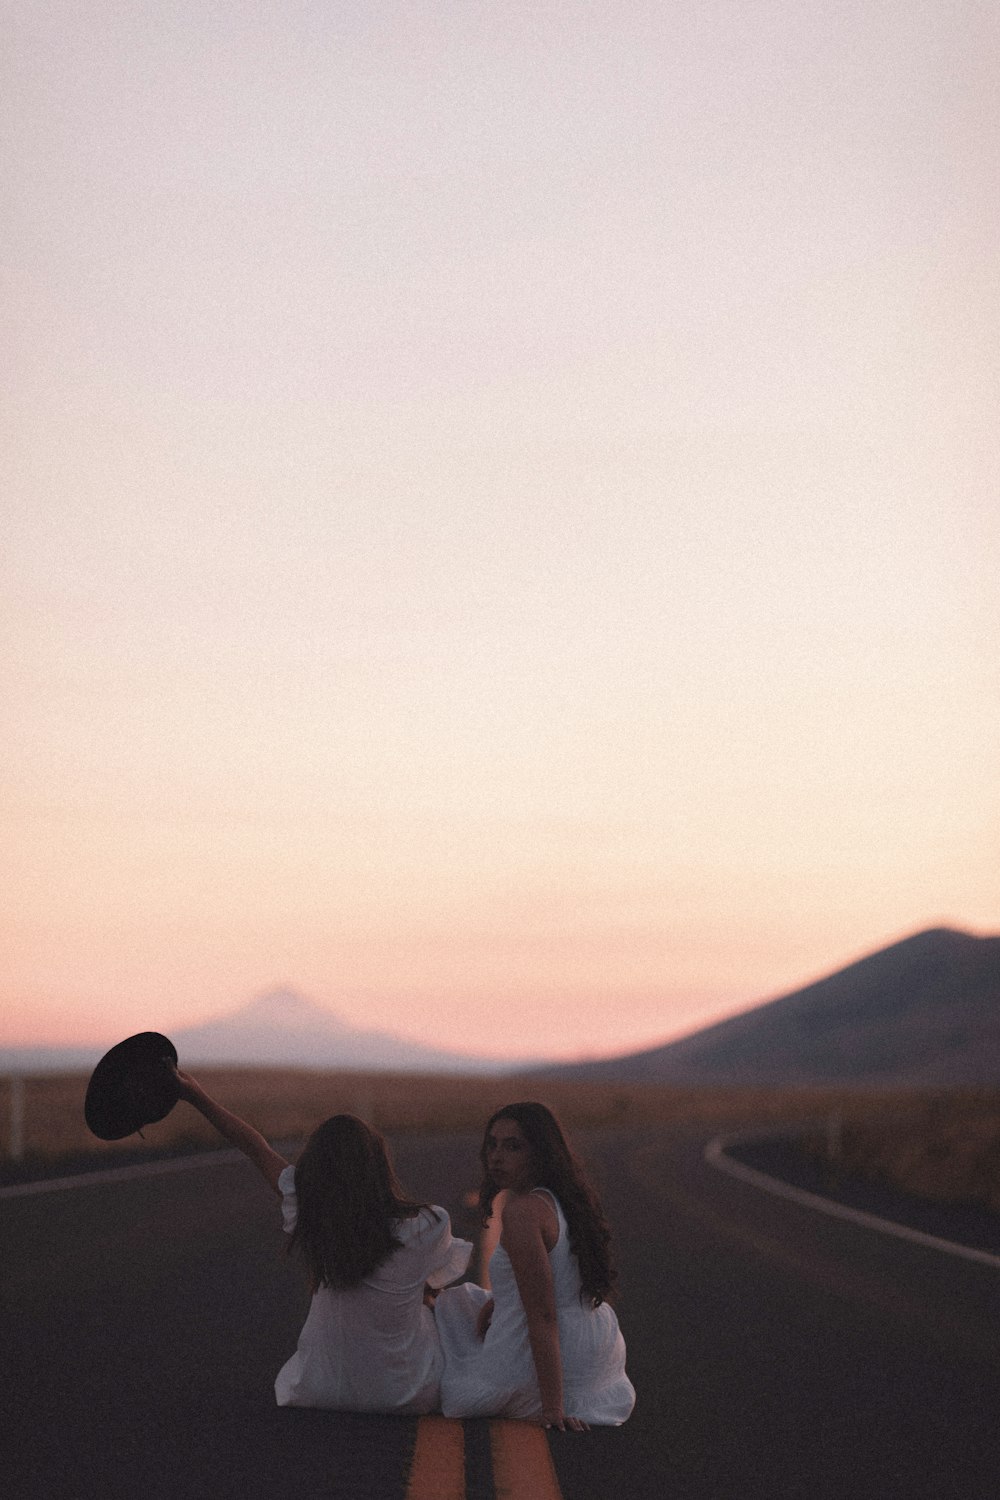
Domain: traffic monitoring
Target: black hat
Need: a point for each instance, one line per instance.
(132, 1085)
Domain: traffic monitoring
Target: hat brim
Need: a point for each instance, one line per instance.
(131, 1087)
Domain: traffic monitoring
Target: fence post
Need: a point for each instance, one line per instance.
(16, 1081)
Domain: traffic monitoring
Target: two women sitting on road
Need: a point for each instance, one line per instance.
(537, 1342)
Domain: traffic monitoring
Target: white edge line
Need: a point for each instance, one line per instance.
(715, 1155)
(119, 1174)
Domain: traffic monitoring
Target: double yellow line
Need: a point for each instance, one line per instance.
(522, 1463)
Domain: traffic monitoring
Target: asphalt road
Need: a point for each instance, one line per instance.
(776, 1352)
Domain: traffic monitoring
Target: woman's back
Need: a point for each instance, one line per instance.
(496, 1376)
(374, 1346)
(562, 1262)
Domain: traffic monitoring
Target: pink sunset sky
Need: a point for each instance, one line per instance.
(501, 524)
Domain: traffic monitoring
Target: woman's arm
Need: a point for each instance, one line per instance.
(237, 1131)
(486, 1242)
(522, 1239)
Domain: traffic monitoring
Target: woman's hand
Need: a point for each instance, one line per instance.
(238, 1132)
(484, 1319)
(187, 1088)
(551, 1417)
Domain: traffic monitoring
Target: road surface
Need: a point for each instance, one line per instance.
(777, 1353)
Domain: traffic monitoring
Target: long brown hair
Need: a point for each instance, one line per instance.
(349, 1202)
(558, 1169)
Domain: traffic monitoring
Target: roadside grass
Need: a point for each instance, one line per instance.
(286, 1104)
(942, 1144)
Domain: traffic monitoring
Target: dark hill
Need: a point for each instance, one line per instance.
(923, 1011)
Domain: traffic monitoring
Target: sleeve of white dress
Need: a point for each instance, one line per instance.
(289, 1200)
(449, 1257)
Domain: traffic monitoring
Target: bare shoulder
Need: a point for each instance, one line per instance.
(529, 1214)
(521, 1208)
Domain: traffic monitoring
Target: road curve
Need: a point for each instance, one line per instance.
(722, 1153)
(776, 1352)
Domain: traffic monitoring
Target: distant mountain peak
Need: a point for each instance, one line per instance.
(286, 1009)
(281, 1027)
(934, 937)
(924, 1010)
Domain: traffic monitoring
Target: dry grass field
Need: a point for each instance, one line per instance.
(939, 1143)
(287, 1103)
(942, 1144)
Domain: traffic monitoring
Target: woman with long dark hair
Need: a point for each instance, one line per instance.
(539, 1341)
(369, 1342)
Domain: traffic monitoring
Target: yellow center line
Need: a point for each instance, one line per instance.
(437, 1471)
(522, 1463)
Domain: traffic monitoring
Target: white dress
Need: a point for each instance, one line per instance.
(375, 1347)
(495, 1377)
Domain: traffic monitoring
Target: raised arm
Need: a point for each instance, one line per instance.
(529, 1258)
(248, 1140)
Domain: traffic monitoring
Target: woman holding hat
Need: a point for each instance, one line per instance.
(369, 1342)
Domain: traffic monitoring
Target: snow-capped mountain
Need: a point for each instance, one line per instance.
(283, 1027)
